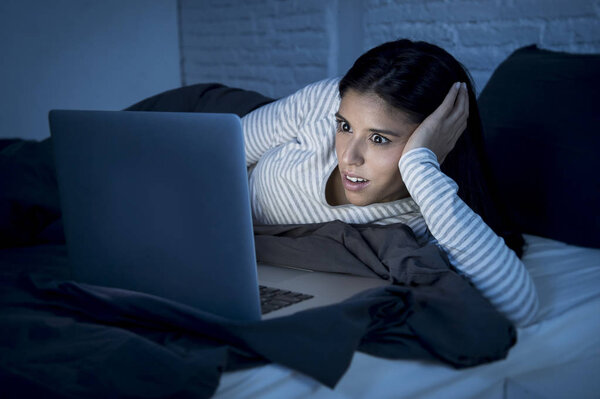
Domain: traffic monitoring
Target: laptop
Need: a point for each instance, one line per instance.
(158, 202)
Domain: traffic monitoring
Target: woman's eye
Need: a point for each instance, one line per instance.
(343, 126)
(377, 139)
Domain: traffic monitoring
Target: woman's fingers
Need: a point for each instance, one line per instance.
(460, 113)
(456, 121)
(448, 104)
(463, 99)
(461, 105)
(441, 130)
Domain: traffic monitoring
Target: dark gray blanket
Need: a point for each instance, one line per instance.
(59, 338)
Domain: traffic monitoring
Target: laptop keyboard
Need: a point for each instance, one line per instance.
(272, 299)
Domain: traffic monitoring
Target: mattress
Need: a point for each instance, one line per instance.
(557, 356)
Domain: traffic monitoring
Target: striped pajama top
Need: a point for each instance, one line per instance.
(290, 149)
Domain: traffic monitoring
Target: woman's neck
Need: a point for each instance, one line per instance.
(334, 189)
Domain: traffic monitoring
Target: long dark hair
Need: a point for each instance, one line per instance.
(415, 76)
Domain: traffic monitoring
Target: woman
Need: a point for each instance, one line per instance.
(368, 148)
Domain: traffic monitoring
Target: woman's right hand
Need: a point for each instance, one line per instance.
(440, 131)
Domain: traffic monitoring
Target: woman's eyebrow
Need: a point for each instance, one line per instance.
(372, 130)
(386, 132)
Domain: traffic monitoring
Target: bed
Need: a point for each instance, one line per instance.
(557, 357)
(539, 112)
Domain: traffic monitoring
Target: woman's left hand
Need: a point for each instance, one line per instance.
(440, 131)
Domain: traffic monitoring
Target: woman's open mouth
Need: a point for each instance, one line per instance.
(354, 183)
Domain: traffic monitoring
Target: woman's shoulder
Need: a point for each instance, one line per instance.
(327, 84)
(320, 98)
(308, 105)
(322, 88)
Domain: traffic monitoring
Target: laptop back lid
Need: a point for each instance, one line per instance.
(158, 202)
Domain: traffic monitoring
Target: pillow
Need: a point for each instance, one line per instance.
(28, 192)
(204, 97)
(540, 112)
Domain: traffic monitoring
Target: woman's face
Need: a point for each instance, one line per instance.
(369, 142)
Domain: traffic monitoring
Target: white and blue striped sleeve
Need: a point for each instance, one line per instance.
(471, 245)
(278, 122)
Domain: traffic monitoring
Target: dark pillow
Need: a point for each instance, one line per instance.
(540, 112)
(28, 191)
(204, 97)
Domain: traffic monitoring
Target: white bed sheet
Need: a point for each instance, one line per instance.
(558, 356)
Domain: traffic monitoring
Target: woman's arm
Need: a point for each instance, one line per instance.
(278, 122)
(472, 246)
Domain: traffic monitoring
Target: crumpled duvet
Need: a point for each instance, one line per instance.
(59, 338)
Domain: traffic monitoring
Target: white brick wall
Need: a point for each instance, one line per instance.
(278, 46)
(270, 46)
(482, 33)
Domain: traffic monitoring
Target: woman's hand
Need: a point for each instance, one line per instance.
(440, 130)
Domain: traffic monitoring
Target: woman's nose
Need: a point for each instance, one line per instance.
(353, 154)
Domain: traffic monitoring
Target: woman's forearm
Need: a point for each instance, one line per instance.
(472, 247)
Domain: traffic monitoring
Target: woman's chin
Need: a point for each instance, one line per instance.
(357, 199)
(360, 199)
